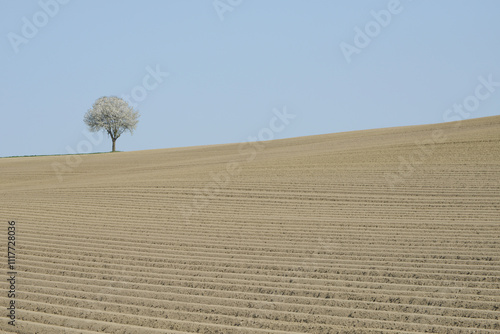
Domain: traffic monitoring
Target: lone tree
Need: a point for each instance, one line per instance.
(112, 115)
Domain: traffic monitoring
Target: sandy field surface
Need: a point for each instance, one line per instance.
(380, 231)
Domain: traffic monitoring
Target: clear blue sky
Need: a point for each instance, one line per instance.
(227, 75)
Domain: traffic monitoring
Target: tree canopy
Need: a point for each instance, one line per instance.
(113, 115)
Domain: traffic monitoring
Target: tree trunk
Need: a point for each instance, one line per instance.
(114, 145)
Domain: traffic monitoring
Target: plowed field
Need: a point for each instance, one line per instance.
(379, 231)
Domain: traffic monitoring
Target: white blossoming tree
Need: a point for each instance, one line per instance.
(112, 115)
